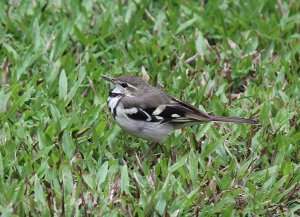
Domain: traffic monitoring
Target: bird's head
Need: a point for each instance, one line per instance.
(127, 84)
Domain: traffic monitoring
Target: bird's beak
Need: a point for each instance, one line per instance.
(112, 80)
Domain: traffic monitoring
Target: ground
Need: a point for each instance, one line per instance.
(62, 154)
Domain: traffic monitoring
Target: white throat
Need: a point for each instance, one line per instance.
(115, 96)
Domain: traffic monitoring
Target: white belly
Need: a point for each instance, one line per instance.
(150, 131)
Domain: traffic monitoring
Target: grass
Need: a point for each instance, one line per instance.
(61, 153)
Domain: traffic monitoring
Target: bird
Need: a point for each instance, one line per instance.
(150, 113)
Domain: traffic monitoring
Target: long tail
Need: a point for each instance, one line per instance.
(233, 120)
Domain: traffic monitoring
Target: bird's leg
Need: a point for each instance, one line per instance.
(152, 146)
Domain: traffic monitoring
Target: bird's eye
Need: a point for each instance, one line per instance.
(124, 85)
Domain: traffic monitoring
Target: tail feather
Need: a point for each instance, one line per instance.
(233, 120)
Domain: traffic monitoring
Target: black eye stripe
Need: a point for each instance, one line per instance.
(124, 85)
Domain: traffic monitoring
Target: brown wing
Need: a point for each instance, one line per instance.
(158, 106)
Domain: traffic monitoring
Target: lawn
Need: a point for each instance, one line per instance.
(62, 154)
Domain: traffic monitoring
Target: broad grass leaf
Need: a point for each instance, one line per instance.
(296, 138)
(68, 145)
(265, 113)
(89, 180)
(75, 87)
(193, 167)
(201, 44)
(282, 117)
(63, 85)
(92, 116)
(177, 165)
(130, 11)
(55, 112)
(159, 22)
(124, 179)
(228, 210)
(19, 102)
(28, 59)
(161, 205)
(261, 174)
(185, 25)
(80, 35)
(102, 173)
(21, 192)
(1, 168)
(36, 35)
(295, 209)
(241, 169)
(3, 15)
(67, 180)
(285, 192)
(213, 146)
(38, 191)
(43, 152)
(10, 52)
